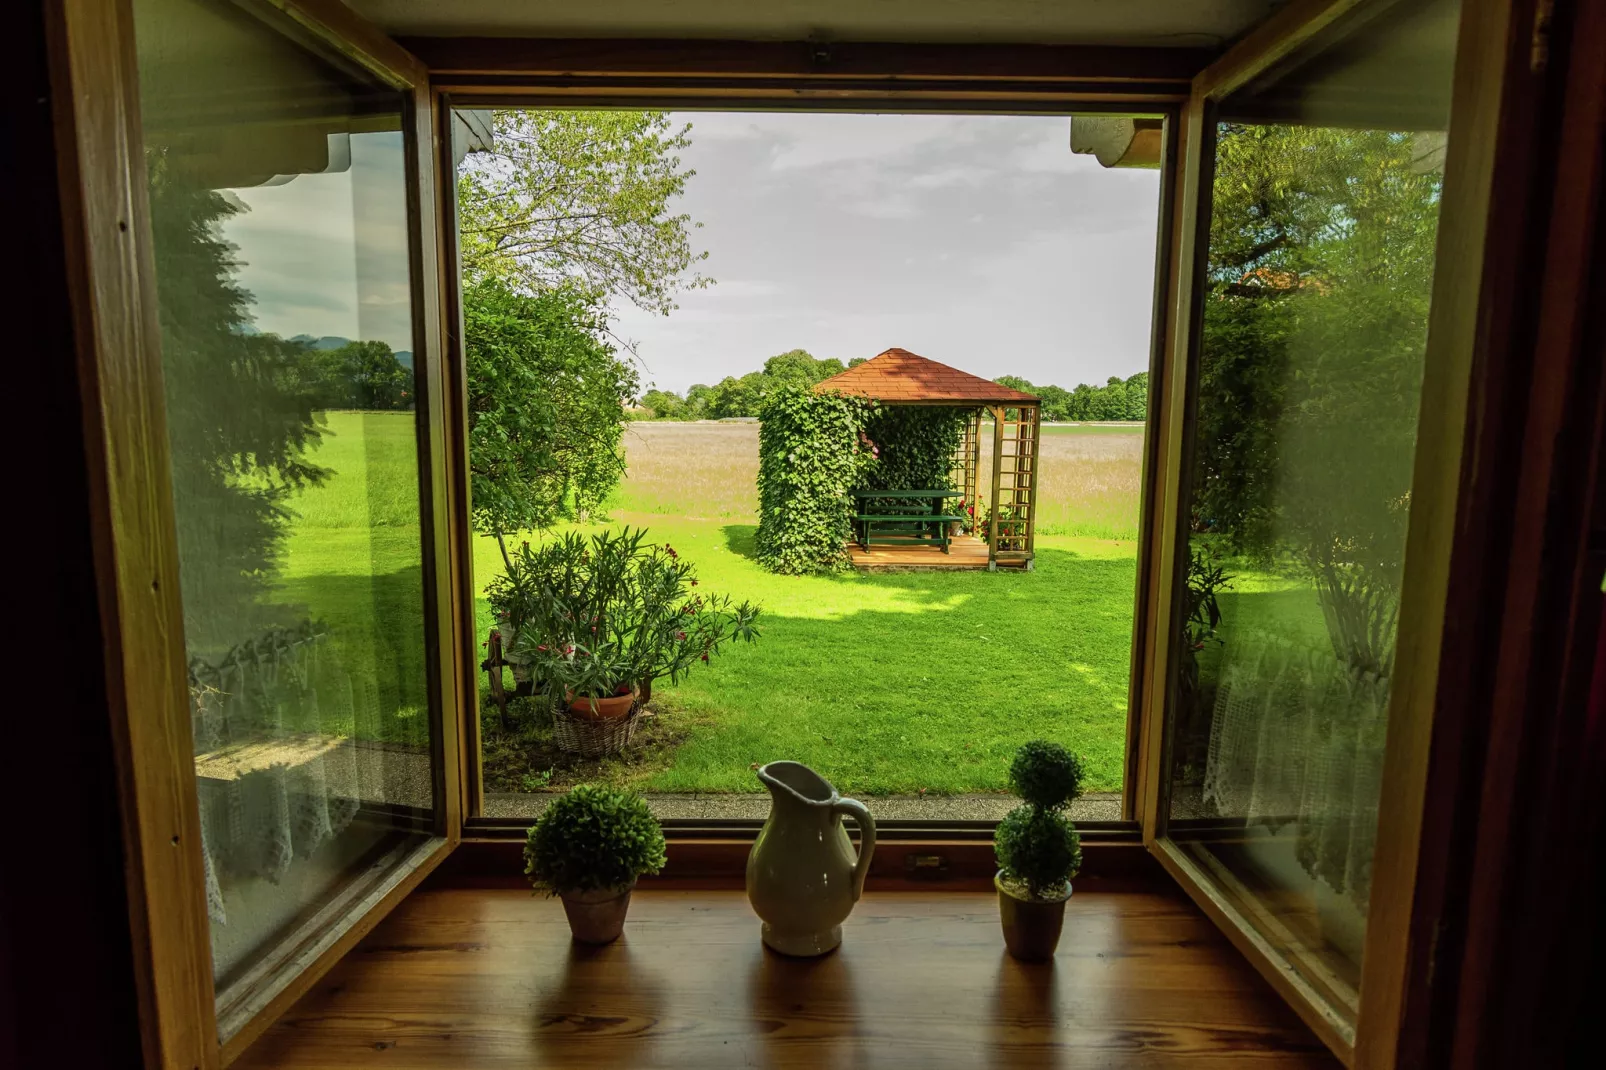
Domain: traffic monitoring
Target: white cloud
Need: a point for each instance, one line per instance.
(981, 241)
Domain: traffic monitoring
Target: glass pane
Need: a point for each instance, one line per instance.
(1320, 272)
(278, 208)
(1001, 253)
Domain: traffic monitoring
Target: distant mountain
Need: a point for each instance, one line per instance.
(404, 357)
(328, 341)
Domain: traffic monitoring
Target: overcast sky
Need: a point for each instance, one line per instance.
(979, 241)
(326, 254)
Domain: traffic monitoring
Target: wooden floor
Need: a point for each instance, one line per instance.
(485, 978)
(966, 551)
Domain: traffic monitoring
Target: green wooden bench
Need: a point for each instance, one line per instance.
(904, 516)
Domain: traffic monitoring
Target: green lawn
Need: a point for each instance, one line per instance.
(885, 683)
(903, 681)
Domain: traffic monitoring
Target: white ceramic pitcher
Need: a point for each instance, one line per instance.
(803, 877)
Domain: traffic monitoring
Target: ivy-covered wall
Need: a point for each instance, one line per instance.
(809, 457)
(913, 446)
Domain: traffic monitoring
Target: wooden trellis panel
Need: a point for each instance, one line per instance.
(1015, 476)
(967, 458)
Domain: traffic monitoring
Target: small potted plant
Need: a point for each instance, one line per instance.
(1038, 850)
(589, 847)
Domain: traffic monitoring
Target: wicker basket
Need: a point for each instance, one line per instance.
(591, 738)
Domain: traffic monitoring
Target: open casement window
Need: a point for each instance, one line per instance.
(1002, 452)
(271, 391)
(1319, 362)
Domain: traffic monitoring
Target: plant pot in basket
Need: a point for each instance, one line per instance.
(610, 708)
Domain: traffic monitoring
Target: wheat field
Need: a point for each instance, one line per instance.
(1091, 474)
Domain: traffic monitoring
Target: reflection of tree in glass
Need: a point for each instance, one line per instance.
(361, 375)
(240, 415)
(1321, 263)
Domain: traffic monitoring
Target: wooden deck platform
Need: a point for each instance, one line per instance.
(966, 551)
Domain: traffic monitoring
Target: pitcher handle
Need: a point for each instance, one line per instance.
(861, 815)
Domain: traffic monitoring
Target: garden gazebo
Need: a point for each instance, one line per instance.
(898, 377)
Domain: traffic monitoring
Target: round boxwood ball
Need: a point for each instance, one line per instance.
(1045, 774)
(593, 837)
(1039, 849)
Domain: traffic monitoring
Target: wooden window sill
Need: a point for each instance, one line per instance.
(488, 977)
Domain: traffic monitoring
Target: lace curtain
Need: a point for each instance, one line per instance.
(277, 724)
(1297, 740)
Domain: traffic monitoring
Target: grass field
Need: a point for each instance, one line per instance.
(1091, 474)
(885, 683)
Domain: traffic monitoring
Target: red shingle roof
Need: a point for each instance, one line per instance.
(900, 377)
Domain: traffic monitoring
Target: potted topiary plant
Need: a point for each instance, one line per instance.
(1038, 850)
(589, 847)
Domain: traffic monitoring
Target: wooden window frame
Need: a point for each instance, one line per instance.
(98, 141)
(714, 75)
(1477, 235)
(105, 216)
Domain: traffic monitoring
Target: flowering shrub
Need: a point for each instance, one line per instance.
(596, 616)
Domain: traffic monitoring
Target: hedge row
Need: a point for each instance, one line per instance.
(809, 458)
(813, 449)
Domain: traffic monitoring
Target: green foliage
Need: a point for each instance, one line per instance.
(1039, 849)
(666, 405)
(361, 375)
(734, 397)
(1319, 273)
(1036, 844)
(592, 838)
(546, 396)
(593, 615)
(912, 446)
(1117, 399)
(809, 458)
(1045, 775)
(579, 201)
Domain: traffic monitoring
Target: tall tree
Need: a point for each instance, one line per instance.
(361, 375)
(581, 200)
(546, 398)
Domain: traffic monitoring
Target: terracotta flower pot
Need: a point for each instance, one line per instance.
(597, 917)
(601, 709)
(1031, 926)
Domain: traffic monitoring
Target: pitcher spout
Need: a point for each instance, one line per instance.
(796, 782)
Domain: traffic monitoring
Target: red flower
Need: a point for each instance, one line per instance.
(680, 636)
(705, 655)
(694, 583)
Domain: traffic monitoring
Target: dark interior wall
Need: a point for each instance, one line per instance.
(66, 969)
